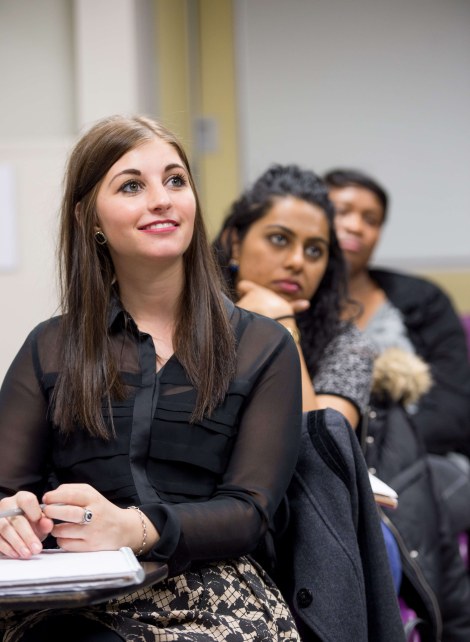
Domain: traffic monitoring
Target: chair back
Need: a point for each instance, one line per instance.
(410, 621)
(465, 318)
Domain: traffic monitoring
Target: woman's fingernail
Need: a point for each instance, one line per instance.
(36, 547)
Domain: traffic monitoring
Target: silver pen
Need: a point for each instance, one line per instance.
(12, 512)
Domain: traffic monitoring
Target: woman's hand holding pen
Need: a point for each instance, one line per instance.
(90, 522)
(78, 516)
(21, 535)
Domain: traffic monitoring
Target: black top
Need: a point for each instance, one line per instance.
(435, 330)
(211, 488)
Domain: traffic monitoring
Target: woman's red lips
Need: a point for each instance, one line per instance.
(350, 245)
(289, 287)
(159, 226)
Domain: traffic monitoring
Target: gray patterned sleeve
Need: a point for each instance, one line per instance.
(345, 369)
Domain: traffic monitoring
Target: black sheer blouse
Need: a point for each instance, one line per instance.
(211, 488)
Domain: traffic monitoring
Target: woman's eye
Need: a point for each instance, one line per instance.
(372, 220)
(178, 180)
(314, 252)
(277, 239)
(131, 187)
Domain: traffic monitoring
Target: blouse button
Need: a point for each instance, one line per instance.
(414, 554)
(372, 470)
(372, 414)
(370, 439)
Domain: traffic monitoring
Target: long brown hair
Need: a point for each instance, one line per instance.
(203, 341)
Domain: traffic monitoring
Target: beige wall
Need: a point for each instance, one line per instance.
(456, 283)
(197, 89)
(172, 26)
(219, 168)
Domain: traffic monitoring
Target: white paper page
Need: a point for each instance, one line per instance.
(56, 566)
(381, 488)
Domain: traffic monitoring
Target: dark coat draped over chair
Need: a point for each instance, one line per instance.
(332, 562)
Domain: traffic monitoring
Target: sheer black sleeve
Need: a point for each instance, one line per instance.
(24, 426)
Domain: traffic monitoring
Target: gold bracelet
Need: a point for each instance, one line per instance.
(144, 529)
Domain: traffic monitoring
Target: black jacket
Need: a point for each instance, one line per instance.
(435, 581)
(443, 417)
(332, 564)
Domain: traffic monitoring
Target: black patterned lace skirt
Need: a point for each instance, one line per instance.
(232, 601)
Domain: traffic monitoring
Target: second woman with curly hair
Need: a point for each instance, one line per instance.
(280, 257)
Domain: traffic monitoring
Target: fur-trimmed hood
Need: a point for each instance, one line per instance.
(400, 376)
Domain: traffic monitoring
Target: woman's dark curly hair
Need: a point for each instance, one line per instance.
(320, 323)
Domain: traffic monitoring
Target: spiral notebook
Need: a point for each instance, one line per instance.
(57, 570)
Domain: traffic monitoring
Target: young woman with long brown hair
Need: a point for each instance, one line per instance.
(138, 417)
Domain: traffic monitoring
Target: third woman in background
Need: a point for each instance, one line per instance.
(410, 321)
(420, 404)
